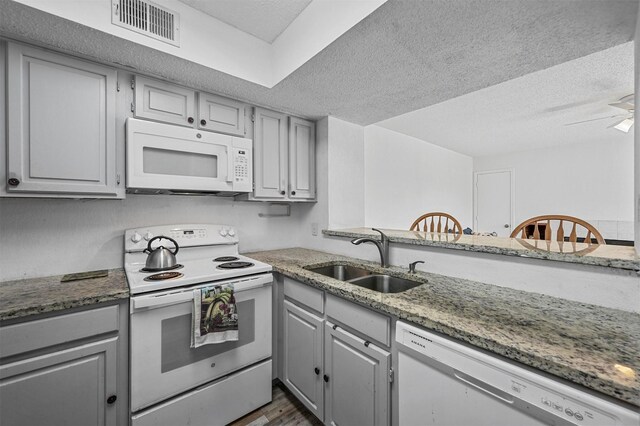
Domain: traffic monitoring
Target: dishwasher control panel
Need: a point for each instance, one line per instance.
(508, 382)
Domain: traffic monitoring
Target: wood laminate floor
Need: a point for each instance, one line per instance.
(284, 409)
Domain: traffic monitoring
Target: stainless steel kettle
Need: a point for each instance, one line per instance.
(160, 258)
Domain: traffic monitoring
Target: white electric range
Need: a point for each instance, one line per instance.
(172, 383)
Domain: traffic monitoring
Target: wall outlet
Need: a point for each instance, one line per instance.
(314, 229)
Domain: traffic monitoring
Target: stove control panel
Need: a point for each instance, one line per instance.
(185, 235)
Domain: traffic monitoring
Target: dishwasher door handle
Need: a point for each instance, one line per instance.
(485, 387)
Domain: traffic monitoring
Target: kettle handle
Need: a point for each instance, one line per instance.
(160, 237)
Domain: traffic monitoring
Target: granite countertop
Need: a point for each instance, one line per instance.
(590, 345)
(22, 298)
(612, 256)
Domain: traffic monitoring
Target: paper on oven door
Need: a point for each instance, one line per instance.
(215, 315)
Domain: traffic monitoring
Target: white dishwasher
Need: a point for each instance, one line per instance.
(441, 382)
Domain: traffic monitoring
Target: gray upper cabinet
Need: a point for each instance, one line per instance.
(302, 159)
(61, 127)
(157, 100)
(284, 158)
(220, 114)
(270, 155)
(173, 104)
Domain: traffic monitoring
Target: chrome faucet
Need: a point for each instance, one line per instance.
(383, 246)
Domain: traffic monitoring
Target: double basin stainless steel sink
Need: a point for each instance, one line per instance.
(363, 278)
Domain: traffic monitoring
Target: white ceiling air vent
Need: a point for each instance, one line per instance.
(147, 18)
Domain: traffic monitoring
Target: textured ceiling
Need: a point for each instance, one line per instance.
(404, 56)
(265, 19)
(532, 111)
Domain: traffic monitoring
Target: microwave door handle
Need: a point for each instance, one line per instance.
(229, 165)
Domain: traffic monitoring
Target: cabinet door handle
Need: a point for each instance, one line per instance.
(317, 371)
(190, 120)
(282, 192)
(293, 192)
(112, 399)
(203, 122)
(13, 181)
(326, 378)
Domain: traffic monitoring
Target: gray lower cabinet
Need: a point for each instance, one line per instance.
(69, 369)
(67, 387)
(335, 368)
(302, 372)
(61, 127)
(357, 380)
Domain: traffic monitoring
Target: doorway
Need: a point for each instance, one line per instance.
(494, 196)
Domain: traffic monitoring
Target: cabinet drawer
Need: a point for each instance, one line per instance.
(304, 294)
(37, 334)
(372, 324)
(218, 403)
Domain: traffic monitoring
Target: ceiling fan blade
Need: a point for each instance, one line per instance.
(593, 119)
(623, 105)
(625, 102)
(624, 125)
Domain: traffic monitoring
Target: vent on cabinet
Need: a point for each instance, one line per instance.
(147, 18)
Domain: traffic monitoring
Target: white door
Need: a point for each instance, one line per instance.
(356, 380)
(493, 194)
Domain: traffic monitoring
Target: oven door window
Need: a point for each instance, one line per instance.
(163, 364)
(176, 350)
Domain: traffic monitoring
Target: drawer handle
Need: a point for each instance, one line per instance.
(112, 399)
(326, 378)
(317, 371)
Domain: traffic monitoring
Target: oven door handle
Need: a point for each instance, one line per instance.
(164, 299)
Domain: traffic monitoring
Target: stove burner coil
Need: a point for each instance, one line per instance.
(235, 265)
(170, 268)
(225, 259)
(162, 276)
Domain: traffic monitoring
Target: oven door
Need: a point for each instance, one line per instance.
(162, 156)
(162, 362)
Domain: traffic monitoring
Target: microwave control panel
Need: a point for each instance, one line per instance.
(242, 169)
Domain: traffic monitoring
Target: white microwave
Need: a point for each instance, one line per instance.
(164, 158)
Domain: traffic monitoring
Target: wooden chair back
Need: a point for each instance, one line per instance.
(437, 222)
(541, 228)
